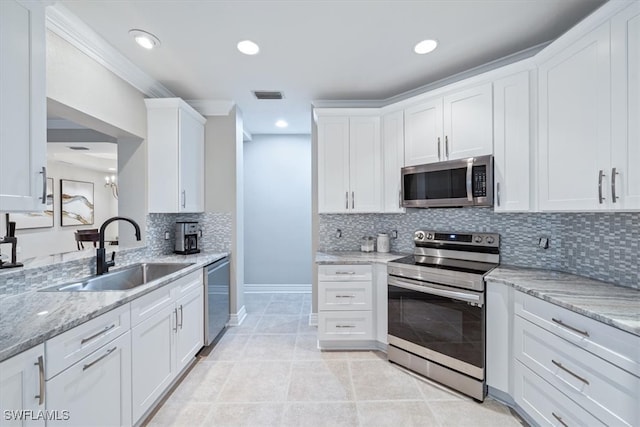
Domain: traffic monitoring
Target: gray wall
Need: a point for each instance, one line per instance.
(277, 173)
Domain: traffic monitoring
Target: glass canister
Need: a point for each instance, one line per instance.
(367, 244)
(383, 242)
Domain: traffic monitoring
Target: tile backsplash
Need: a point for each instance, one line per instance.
(603, 246)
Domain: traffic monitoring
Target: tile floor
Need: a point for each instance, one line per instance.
(268, 372)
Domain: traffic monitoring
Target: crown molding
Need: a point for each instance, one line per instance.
(68, 26)
(212, 107)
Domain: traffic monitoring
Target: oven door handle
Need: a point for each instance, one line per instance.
(425, 288)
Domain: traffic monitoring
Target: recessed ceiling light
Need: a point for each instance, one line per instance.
(248, 47)
(282, 124)
(145, 39)
(425, 46)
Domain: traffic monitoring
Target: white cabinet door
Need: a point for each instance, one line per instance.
(423, 133)
(365, 170)
(333, 164)
(511, 143)
(575, 125)
(393, 161)
(191, 163)
(153, 359)
(190, 334)
(96, 390)
(21, 385)
(468, 123)
(625, 84)
(22, 106)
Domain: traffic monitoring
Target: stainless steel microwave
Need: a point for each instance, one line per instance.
(462, 182)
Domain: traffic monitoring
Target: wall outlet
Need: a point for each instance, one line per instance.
(543, 242)
(338, 233)
(394, 234)
(166, 235)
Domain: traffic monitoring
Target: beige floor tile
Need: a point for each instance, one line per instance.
(181, 414)
(270, 347)
(320, 381)
(246, 328)
(305, 328)
(379, 380)
(432, 390)
(245, 415)
(307, 349)
(253, 381)
(284, 307)
(489, 413)
(203, 383)
(290, 297)
(396, 414)
(278, 324)
(322, 414)
(366, 355)
(230, 347)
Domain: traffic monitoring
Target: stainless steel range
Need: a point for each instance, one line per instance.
(436, 307)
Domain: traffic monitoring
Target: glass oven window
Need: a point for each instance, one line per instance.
(445, 325)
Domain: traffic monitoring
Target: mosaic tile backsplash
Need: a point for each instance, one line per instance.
(216, 237)
(602, 246)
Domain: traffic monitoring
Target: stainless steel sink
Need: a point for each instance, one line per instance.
(121, 280)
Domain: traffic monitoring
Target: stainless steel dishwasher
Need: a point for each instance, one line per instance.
(216, 304)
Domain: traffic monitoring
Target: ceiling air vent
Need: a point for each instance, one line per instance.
(268, 94)
(77, 147)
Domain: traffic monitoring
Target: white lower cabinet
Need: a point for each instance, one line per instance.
(96, 390)
(22, 388)
(190, 333)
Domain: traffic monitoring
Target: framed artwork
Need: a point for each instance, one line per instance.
(76, 202)
(41, 219)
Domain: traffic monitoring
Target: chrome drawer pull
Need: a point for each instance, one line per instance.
(559, 365)
(561, 323)
(97, 334)
(345, 296)
(40, 365)
(351, 273)
(111, 350)
(345, 326)
(560, 420)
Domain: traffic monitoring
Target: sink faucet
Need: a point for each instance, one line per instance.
(101, 261)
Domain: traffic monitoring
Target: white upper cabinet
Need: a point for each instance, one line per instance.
(175, 134)
(456, 126)
(575, 125)
(511, 143)
(23, 110)
(393, 161)
(349, 164)
(625, 112)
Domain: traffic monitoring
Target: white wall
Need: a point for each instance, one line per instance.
(58, 239)
(277, 187)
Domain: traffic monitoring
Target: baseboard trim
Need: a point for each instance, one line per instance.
(277, 288)
(237, 318)
(313, 319)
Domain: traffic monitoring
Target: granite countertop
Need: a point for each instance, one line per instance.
(356, 257)
(30, 318)
(616, 306)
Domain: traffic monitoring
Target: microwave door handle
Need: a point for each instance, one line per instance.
(469, 183)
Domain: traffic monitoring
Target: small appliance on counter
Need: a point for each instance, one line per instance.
(186, 238)
(367, 244)
(383, 242)
(10, 238)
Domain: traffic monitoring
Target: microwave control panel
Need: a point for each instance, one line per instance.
(479, 181)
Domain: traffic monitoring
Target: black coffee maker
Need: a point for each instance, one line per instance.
(11, 239)
(186, 238)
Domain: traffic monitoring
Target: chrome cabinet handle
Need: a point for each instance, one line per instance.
(346, 200)
(446, 146)
(184, 198)
(600, 176)
(614, 172)
(175, 312)
(439, 149)
(573, 374)
(345, 326)
(40, 395)
(498, 192)
(400, 198)
(469, 183)
(560, 420)
(346, 272)
(345, 296)
(97, 334)
(564, 325)
(44, 184)
(353, 200)
(181, 316)
(88, 365)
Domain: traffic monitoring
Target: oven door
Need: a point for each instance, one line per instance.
(439, 323)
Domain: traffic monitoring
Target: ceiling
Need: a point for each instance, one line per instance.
(319, 49)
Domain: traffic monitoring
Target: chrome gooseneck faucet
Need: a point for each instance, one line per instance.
(101, 261)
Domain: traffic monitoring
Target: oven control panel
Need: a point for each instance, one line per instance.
(475, 239)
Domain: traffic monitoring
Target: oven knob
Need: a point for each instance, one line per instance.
(490, 239)
(429, 236)
(478, 239)
(419, 235)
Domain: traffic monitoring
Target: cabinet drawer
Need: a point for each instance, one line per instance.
(606, 391)
(68, 348)
(188, 283)
(612, 344)
(151, 303)
(344, 272)
(546, 405)
(344, 296)
(345, 325)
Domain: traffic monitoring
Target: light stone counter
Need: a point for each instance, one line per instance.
(30, 318)
(356, 257)
(616, 306)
